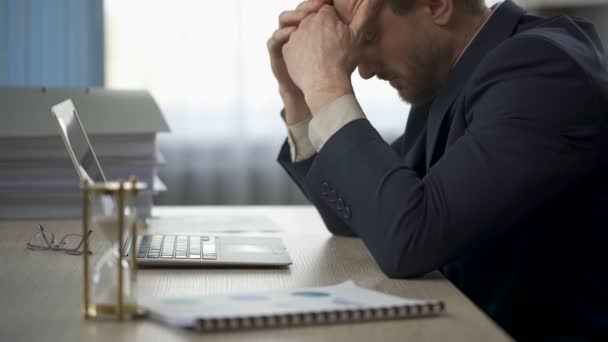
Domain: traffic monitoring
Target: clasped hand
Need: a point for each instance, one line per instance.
(322, 53)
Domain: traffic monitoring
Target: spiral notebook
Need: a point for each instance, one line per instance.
(341, 303)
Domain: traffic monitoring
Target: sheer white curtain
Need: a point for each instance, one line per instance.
(206, 64)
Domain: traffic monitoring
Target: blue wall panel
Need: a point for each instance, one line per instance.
(16, 42)
(4, 41)
(51, 43)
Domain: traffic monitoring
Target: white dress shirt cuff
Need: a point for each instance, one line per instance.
(333, 117)
(300, 147)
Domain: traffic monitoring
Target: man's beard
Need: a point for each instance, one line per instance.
(423, 82)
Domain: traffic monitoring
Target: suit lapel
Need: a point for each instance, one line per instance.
(499, 27)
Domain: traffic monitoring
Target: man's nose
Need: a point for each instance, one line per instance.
(367, 70)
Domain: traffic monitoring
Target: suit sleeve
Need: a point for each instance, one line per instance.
(298, 170)
(530, 138)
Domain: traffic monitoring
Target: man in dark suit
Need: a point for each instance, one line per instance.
(500, 179)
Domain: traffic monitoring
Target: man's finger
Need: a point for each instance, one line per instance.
(279, 38)
(311, 5)
(292, 18)
(328, 9)
(363, 15)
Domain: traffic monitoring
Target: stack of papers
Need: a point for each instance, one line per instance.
(37, 177)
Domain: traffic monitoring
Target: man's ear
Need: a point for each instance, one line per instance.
(441, 11)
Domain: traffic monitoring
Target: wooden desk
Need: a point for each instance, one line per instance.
(42, 295)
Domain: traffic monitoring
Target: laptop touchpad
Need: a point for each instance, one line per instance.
(247, 248)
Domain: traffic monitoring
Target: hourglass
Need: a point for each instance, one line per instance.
(109, 285)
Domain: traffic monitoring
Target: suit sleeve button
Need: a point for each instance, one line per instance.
(346, 213)
(332, 196)
(325, 188)
(340, 204)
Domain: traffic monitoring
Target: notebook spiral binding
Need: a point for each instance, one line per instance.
(322, 317)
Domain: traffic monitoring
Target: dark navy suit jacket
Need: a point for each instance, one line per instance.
(501, 181)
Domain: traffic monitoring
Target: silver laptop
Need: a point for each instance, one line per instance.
(164, 249)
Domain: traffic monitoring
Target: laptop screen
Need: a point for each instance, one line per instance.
(80, 150)
(77, 143)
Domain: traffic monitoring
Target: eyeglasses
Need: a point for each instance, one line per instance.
(44, 240)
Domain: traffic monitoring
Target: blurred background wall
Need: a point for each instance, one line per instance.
(51, 43)
(206, 64)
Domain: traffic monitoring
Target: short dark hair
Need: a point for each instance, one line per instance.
(403, 6)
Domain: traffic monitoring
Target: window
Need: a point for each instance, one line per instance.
(207, 66)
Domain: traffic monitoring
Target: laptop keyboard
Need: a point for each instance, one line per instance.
(177, 247)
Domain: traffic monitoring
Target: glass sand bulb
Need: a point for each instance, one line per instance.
(104, 274)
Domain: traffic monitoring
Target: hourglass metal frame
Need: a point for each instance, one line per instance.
(121, 190)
